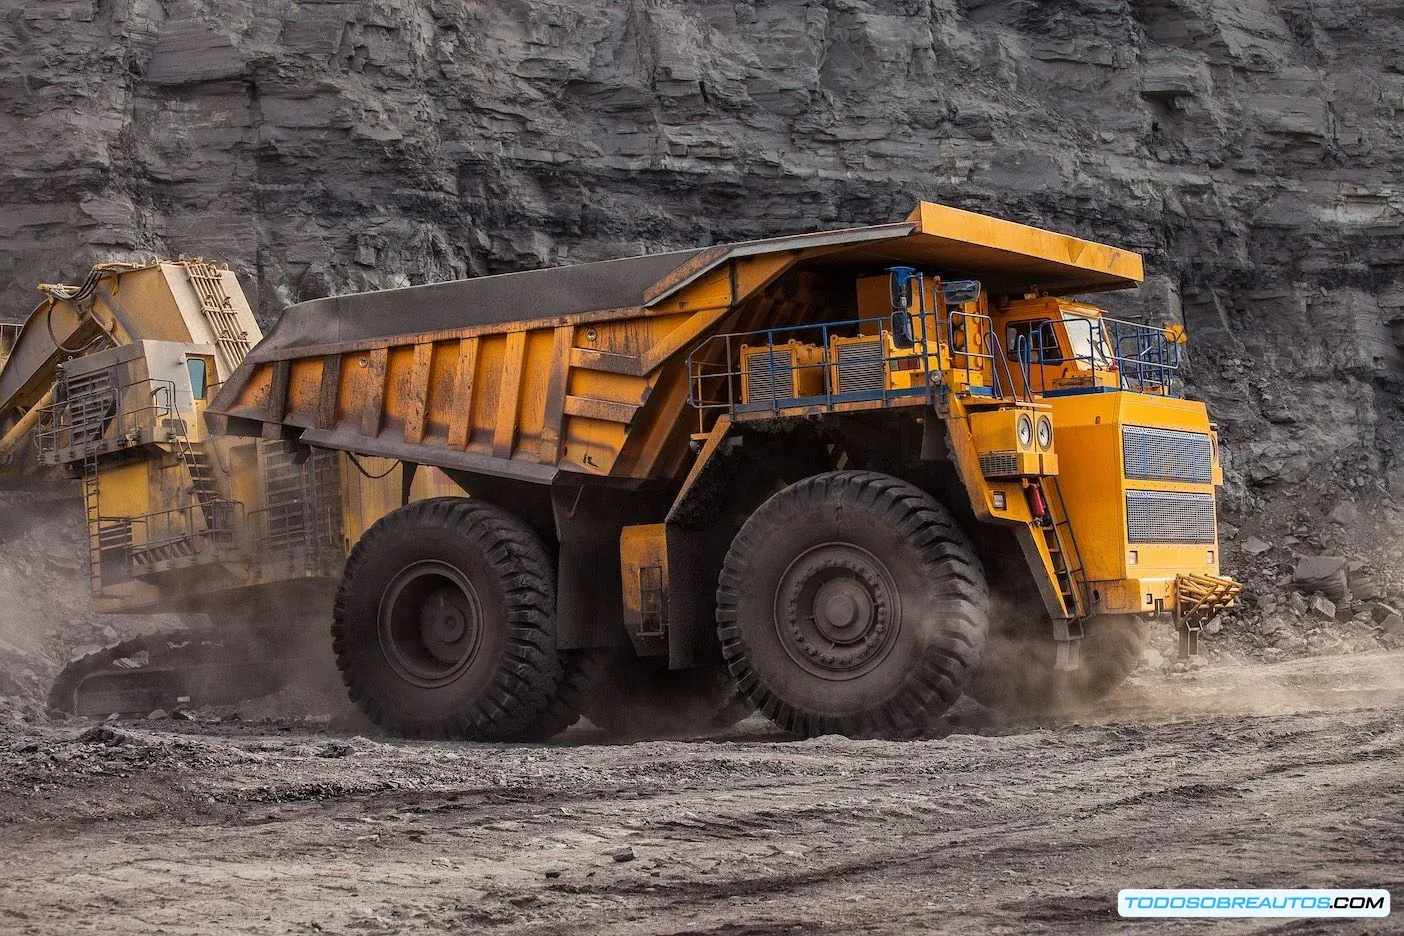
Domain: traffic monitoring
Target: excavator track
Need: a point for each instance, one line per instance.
(171, 670)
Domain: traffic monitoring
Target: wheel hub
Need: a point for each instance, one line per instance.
(430, 623)
(836, 611)
(843, 609)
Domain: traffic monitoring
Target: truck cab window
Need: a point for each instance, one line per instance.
(1033, 341)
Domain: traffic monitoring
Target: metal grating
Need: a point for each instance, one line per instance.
(860, 366)
(114, 543)
(770, 375)
(1167, 455)
(999, 464)
(1169, 517)
(91, 404)
(302, 506)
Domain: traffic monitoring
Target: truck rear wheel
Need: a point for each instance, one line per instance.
(444, 624)
(581, 674)
(1017, 676)
(851, 603)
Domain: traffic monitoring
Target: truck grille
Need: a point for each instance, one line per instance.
(1169, 517)
(860, 366)
(1167, 455)
(999, 464)
(770, 376)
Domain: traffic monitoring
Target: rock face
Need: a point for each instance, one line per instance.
(1251, 149)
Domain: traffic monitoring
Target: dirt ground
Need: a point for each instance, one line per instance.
(1274, 776)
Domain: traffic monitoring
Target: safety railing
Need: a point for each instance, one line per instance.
(977, 353)
(799, 366)
(97, 417)
(821, 366)
(1103, 353)
(182, 532)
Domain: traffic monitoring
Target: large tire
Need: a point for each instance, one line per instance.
(581, 675)
(444, 624)
(641, 697)
(851, 603)
(1017, 676)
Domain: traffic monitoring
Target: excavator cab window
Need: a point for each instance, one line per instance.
(199, 376)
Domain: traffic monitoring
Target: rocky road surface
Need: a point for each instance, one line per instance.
(1284, 775)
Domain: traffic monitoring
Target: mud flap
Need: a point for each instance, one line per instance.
(1067, 636)
(1189, 637)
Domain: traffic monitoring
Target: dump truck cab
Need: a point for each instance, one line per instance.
(810, 459)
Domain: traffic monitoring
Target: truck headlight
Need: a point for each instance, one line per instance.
(1045, 433)
(1025, 430)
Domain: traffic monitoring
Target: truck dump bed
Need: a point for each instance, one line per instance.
(581, 369)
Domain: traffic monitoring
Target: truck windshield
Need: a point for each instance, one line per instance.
(1087, 339)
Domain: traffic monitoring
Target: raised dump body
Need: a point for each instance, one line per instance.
(801, 456)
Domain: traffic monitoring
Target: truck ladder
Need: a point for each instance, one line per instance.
(218, 309)
(93, 514)
(1068, 570)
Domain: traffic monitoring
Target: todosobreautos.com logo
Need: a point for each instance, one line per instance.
(1252, 903)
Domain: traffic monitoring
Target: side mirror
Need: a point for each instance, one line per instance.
(902, 285)
(961, 291)
(902, 336)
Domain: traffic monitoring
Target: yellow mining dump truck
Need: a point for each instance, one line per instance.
(865, 469)
(110, 379)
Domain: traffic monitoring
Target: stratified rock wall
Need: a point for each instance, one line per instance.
(1251, 149)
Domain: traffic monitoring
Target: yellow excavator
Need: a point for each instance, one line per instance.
(839, 476)
(110, 380)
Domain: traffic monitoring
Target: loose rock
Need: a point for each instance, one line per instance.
(1254, 546)
(1323, 608)
(1325, 575)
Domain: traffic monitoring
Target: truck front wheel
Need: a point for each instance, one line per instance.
(851, 603)
(444, 624)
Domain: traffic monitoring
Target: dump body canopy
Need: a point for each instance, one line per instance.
(581, 368)
(1006, 257)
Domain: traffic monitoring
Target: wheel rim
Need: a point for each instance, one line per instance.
(837, 611)
(430, 623)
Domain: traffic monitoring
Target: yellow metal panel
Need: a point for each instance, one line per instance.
(964, 229)
(414, 385)
(509, 391)
(562, 338)
(490, 364)
(373, 388)
(537, 367)
(997, 430)
(1088, 433)
(661, 429)
(643, 566)
(126, 490)
(465, 375)
(304, 393)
